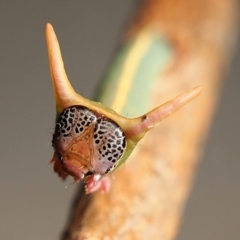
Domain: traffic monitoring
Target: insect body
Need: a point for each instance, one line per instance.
(90, 139)
(86, 144)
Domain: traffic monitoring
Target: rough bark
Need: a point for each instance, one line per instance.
(147, 196)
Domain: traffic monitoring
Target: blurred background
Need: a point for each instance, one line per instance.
(34, 202)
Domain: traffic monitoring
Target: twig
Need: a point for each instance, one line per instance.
(148, 193)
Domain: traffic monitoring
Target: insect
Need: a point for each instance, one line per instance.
(91, 140)
(86, 144)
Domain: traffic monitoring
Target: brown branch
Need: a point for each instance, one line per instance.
(148, 192)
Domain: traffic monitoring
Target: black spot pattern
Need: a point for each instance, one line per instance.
(109, 141)
(73, 121)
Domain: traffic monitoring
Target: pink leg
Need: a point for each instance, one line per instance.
(96, 182)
